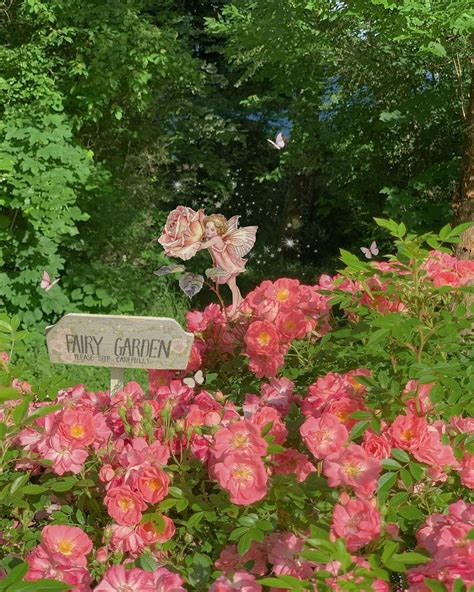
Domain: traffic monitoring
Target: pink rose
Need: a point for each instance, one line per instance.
(153, 484)
(132, 580)
(241, 581)
(77, 428)
(243, 476)
(182, 233)
(467, 471)
(355, 521)
(262, 339)
(167, 581)
(376, 445)
(324, 435)
(124, 505)
(151, 533)
(291, 461)
(70, 543)
(269, 415)
(355, 468)
(241, 436)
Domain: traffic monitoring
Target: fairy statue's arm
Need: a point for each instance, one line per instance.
(209, 243)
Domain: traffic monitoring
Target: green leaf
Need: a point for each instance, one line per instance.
(64, 485)
(411, 513)
(33, 489)
(39, 586)
(9, 394)
(411, 558)
(358, 429)
(386, 482)
(389, 463)
(434, 585)
(147, 562)
(15, 575)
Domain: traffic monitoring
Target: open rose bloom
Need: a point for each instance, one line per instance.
(291, 463)
(182, 233)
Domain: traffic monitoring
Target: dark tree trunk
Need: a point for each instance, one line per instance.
(463, 204)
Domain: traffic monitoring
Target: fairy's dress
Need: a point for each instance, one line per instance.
(228, 259)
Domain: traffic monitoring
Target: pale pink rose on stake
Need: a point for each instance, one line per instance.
(355, 468)
(355, 521)
(182, 233)
(241, 581)
(117, 578)
(124, 505)
(243, 476)
(324, 435)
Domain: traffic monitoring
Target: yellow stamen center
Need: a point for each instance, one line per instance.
(65, 546)
(264, 338)
(351, 469)
(239, 441)
(282, 295)
(242, 473)
(77, 430)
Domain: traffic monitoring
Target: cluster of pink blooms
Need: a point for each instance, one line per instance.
(62, 555)
(445, 270)
(279, 555)
(270, 318)
(445, 537)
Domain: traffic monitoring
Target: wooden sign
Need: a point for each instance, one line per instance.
(119, 342)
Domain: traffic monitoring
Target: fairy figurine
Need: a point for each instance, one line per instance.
(227, 246)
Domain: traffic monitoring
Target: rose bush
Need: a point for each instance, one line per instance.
(331, 447)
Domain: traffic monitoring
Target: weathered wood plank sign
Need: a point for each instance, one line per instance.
(119, 342)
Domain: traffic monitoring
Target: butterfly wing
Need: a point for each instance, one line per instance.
(366, 252)
(280, 141)
(241, 240)
(274, 144)
(374, 249)
(189, 382)
(199, 377)
(45, 281)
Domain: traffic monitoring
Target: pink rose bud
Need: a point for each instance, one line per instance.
(106, 473)
(101, 555)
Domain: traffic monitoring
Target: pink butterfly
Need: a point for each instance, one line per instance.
(280, 141)
(46, 282)
(371, 251)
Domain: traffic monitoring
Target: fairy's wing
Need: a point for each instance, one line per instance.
(240, 240)
(232, 224)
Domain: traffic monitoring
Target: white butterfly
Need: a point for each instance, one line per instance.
(371, 251)
(46, 283)
(280, 141)
(192, 381)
